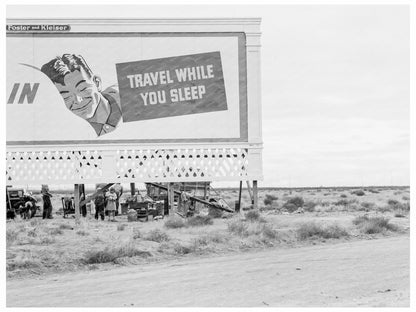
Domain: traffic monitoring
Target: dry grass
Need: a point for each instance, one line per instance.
(314, 230)
(214, 237)
(121, 227)
(238, 227)
(345, 202)
(215, 213)
(310, 205)
(253, 234)
(65, 227)
(82, 232)
(367, 205)
(136, 233)
(182, 249)
(358, 193)
(269, 232)
(270, 198)
(252, 216)
(374, 225)
(23, 262)
(111, 254)
(55, 231)
(393, 204)
(200, 221)
(57, 245)
(11, 236)
(157, 235)
(208, 242)
(174, 222)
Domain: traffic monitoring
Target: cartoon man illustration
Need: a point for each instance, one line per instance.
(82, 92)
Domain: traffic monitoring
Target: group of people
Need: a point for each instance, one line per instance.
(108, 203)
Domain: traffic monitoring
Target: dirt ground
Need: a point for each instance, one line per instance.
(336, 239)
(347, 274)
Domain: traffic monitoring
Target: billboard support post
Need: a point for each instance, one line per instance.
(168, 196)
(239, 196)
(76, 201)
(172, 197)
(255, 195)
(249, 191)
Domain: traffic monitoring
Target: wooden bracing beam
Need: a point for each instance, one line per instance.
(192, 198)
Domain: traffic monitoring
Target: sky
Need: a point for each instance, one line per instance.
(336, 96)
(335, 90)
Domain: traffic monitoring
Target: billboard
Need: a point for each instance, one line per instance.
(133, 100)
(66, 88)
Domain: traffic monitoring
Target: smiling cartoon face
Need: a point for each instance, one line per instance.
(80, 92)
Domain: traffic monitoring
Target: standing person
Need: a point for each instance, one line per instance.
(99, 203)
(111, 203)
(186, 202)
(47, 204)
(119, 191)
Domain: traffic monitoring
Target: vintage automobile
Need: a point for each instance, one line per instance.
(19, 202)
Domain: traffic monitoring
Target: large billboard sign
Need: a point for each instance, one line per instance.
(68, 88)
(98, 100)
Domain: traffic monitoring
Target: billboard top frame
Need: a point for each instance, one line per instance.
(250, 26)
(202, 20)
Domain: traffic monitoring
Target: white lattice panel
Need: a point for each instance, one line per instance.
(53, 166)
(132, 165)
(192, 164)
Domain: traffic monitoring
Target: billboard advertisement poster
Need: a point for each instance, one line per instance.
(69, 88)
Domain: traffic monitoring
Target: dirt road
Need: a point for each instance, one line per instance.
(361, 273)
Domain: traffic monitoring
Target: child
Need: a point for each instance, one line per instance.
(111, 203)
